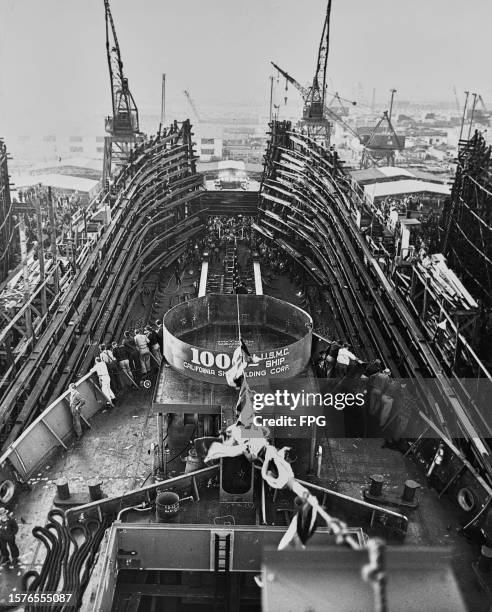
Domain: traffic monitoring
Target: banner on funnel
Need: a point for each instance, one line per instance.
(211, 365)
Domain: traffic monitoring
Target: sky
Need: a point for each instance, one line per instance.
(53, 70)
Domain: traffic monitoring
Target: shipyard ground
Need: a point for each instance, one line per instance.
(115, 450)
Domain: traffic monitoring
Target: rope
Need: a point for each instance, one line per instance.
(374, 572)
(278, 474)
(238, 320)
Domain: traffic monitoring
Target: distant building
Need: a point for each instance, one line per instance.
(410, 187)
(208, 141)
(209, 149)
(51, 147)
(62, 184)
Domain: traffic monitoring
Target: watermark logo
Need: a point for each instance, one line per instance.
(284, 399)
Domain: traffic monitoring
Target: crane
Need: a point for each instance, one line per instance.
(483, 115)
(382, 143)
(192, 104)
(329, 112)
(123, 125)
(315, 100)
(379, 145)
(392, 91)
(314, 116)
(337, 103)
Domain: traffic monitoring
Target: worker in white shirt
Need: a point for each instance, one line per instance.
(101, 370)
(142, 344)
(107, 356)
(344, 358)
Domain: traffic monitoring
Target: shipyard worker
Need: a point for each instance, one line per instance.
(177, 275)
(142, 344)
(106, 355)
(321, 364)
(376, 386)
(121, 355)
(344, 357)
(155, 349)
(401, 414)
(159, 329)
(331, 357)
(101, 370)
(8, 530)
(76, 403)
(131, 347)
(390, 402)
(373, 368)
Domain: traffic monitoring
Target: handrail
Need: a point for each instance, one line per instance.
(143, 491)
(360, 502)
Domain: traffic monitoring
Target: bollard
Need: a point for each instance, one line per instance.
(95, 492)
(62, 490)
(376, 487)
(409, 490)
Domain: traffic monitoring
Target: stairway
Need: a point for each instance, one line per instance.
(230, 262)
(247, 273)
(214, 281)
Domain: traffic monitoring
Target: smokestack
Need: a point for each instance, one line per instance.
(163, 100)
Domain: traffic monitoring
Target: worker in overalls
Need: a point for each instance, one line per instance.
(77, 402)
(8, 530)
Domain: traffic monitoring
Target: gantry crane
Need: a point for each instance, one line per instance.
(381, 144)
(314, 116)
(123, 126)
(192, 104)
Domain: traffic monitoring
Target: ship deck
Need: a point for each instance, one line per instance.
(115, 451)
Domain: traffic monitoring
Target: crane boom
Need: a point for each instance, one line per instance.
(192, 104)
(305, 93)
(125, 112)
(480, 99)
(302, 90)
(317, 91)
(314, 116)
(122, 126)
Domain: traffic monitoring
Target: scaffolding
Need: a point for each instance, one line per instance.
(8, 239)
(155, 210)
(307, 210)
(466, 223)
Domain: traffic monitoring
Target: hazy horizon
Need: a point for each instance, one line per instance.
(54, 72)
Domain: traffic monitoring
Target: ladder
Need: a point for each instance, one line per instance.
(230, 264)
